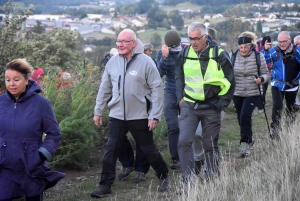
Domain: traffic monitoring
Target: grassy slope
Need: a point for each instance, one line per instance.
(128, 191)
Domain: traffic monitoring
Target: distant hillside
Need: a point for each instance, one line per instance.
(50, 2)
(223, 2)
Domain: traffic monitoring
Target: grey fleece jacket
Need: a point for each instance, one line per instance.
(131, 90)
(245, 69)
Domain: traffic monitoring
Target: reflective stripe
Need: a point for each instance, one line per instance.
(194, 79)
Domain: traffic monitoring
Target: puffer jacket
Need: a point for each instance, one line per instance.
(22, 124)
(245, 69)
(131, 90)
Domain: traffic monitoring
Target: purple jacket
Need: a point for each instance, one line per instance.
(22, 124)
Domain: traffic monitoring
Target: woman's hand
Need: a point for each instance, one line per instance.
(257, 80)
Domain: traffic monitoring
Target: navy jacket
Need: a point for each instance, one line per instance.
(22, 125)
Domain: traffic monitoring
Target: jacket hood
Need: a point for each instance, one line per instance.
(31, 89)
(139, 48)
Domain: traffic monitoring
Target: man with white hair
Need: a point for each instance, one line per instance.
(132, 90)
(285, 77)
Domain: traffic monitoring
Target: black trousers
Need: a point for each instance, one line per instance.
(244, 108)
(278, 97)
(126, 157)
(143, 137)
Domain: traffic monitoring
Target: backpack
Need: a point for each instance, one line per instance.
(215, 55)
(257, 58)
(278, 52)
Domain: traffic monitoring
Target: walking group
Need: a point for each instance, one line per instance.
(200, 81)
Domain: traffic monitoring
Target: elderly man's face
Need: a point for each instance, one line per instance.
(125, 44)
(197, 40)
(284, 42)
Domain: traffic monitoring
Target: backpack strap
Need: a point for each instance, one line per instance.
(185, 53)
(233, 57)
(258, 62)
(216, 56)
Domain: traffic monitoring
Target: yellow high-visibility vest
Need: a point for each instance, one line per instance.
(195, 81)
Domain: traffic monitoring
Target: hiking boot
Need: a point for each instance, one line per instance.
(174, 164)
(140, 176)
(245, 150)
(198, 166)
(274, 135)
(101, 192)
(164, 185)
(126, 172)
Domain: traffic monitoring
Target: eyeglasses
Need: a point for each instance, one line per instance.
(284, 41)
(123, 42)
(196, 40)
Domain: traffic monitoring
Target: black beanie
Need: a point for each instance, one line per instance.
(265, 38)
(172, 38)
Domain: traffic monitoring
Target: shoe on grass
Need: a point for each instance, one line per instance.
(126, 172)
(174, 164)
(101, 192)
(164, 185)
(244, 150)
(198, 166)
(140, 177)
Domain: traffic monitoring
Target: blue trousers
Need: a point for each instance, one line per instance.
(171, 111)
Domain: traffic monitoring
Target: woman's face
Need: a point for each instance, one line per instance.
(244, 49)
(15, 82)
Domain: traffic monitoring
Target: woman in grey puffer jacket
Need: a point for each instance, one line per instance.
(246, 95)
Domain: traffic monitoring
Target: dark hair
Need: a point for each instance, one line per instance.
(21, 66)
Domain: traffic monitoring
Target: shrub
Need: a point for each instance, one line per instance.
(73, 105)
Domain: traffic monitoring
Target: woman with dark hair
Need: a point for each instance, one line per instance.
(248, 77)
(24, 117)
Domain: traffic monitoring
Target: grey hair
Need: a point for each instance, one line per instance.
(296, 39)
(251, 35)
(197, 26)
(129, 31)
(284, 33)
(148, 46)
(212, 33)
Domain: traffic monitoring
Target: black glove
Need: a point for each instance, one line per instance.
(43, 158)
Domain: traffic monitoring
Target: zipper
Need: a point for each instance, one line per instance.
(125, 67)
(119, 84)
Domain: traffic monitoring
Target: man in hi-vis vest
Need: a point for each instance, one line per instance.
(204, 87)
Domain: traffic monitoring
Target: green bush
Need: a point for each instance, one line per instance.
(73, 105)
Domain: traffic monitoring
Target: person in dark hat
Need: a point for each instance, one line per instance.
(166, 63)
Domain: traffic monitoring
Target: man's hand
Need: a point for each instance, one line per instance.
(268, 45)
(152, 124)
(164, 51)
(180, 102)
(98, 120)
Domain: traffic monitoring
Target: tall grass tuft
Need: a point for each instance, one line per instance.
(271, 173)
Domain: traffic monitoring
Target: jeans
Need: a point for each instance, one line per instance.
(278, 96)
(189, 120)
(143, 137)
(126, 157)
(244, 108)
(171, 111)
